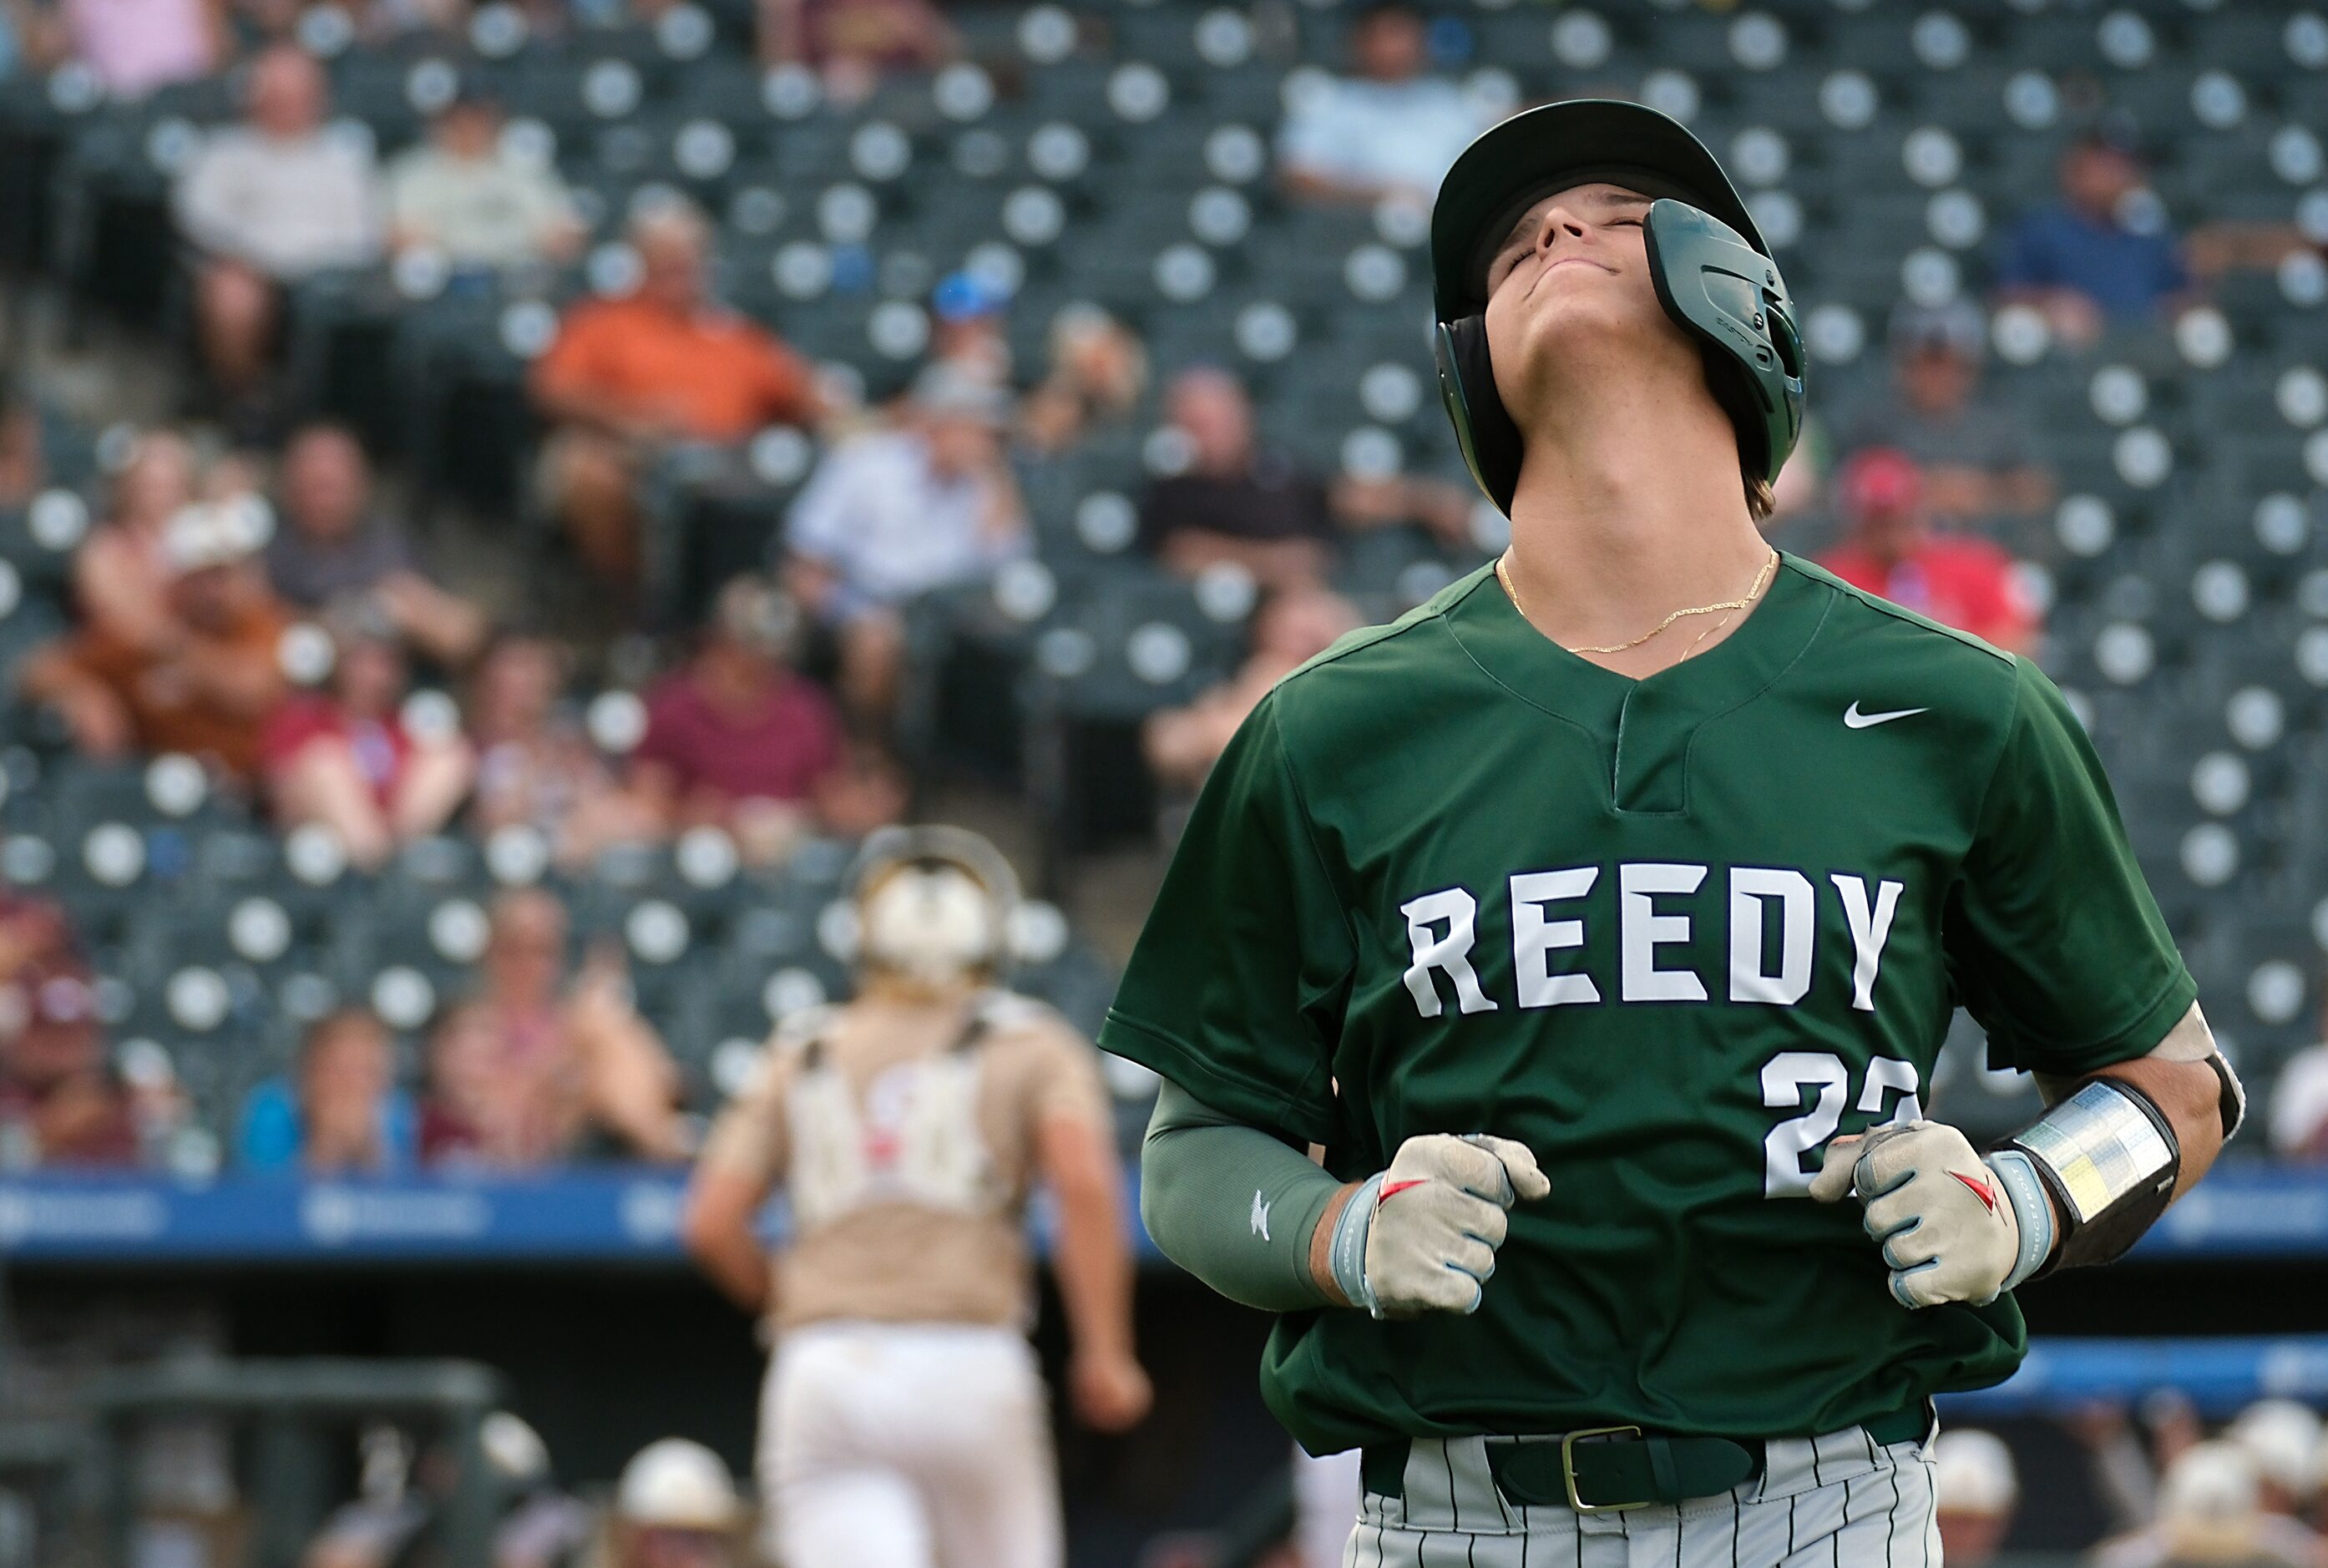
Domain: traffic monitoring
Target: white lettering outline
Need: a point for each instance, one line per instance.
(1536, 939)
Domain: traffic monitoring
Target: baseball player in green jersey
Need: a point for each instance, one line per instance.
(1601, 920)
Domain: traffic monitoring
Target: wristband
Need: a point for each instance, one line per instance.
(2107, 1155)
(2232, 1098)
(1348, 1255)
(2034, 1216)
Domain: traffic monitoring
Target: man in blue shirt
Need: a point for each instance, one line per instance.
(2094, 257)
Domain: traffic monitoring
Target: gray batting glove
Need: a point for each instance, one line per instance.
(1943, 1215)
(1421, 1236)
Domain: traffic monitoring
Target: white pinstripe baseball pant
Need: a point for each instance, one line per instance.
(1838, 1501)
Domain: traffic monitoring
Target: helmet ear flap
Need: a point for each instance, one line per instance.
(1491, 442)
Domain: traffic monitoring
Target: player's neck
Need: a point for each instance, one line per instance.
(1634, 512)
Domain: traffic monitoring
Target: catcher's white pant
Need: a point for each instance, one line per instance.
(1326, 1492)
(890, 1445)
(1838, 1499)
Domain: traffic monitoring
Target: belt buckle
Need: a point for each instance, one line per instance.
(1568, 1443)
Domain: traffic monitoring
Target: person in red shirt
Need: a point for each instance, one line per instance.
(351, 759)
(663, 363)
(738, 740)
(60, 1103)
(1892, 551)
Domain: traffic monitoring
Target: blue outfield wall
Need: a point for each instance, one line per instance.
(630, 1213)
(629, 1216)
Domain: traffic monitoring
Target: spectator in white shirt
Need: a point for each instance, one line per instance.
(897, 511)
(1389, 129)
(268, 204)
(462, 195)
(2299, 1105)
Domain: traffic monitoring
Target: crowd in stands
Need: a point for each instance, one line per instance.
(254, 596)
(674, 1505)
(2174, 1493)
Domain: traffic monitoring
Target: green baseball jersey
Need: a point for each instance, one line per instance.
(1673, 934)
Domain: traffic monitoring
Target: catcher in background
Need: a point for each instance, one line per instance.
(1602, 918)
(904, 1422)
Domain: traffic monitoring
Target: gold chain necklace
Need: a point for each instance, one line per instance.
(1761, 578)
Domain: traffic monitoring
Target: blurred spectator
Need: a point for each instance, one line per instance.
(897, 511)
(1328, 1495)
(2125, 1475)
(268, 204)
(462, 195)
(2093, 256)
(1977, 459)
(2299, 1103)
(534, 1069)
(2281, 1438)
(1233, 500)
(2209, 1514)
(738, 740)
(1289, 628)
(399, 1494)
(968, 320)
(388, 20)
(60, 1103)
(352, 758)
(1237, 502)
(335, 544)
(1390, 129)
(121, 575)
(134, 46)
(1975, 1491)
(675, 1506)
(204, 686)
(665, 363)
(1098, 371)
(22, 465)
(1890, 549)
(343, 1112)
(851, 45)
(535, 766)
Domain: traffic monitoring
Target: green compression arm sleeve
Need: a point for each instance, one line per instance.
(1231, 1204)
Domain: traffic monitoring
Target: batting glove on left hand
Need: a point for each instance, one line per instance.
(1946, 1220)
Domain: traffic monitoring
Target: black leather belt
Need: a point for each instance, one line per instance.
(1609, 1469)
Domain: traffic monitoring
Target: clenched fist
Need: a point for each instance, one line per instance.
(1421, 1236)
(1946, 1222)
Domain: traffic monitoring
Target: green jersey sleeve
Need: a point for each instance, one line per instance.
(1236, 986)
(2056, 948)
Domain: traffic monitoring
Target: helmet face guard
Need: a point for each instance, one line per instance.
(932, 905)
(1713, 273)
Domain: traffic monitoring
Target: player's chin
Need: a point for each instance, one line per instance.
(1563, 322)
(1551, 347)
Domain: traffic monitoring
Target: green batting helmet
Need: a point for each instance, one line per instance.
(1713, 271)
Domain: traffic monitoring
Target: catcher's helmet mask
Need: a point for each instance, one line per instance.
(930, 935)
(1712, 272)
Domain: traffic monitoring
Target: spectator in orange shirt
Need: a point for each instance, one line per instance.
(204, 686)
(1893, 551)
(661, 365)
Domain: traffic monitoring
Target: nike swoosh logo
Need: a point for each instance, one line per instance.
(1854, 719)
